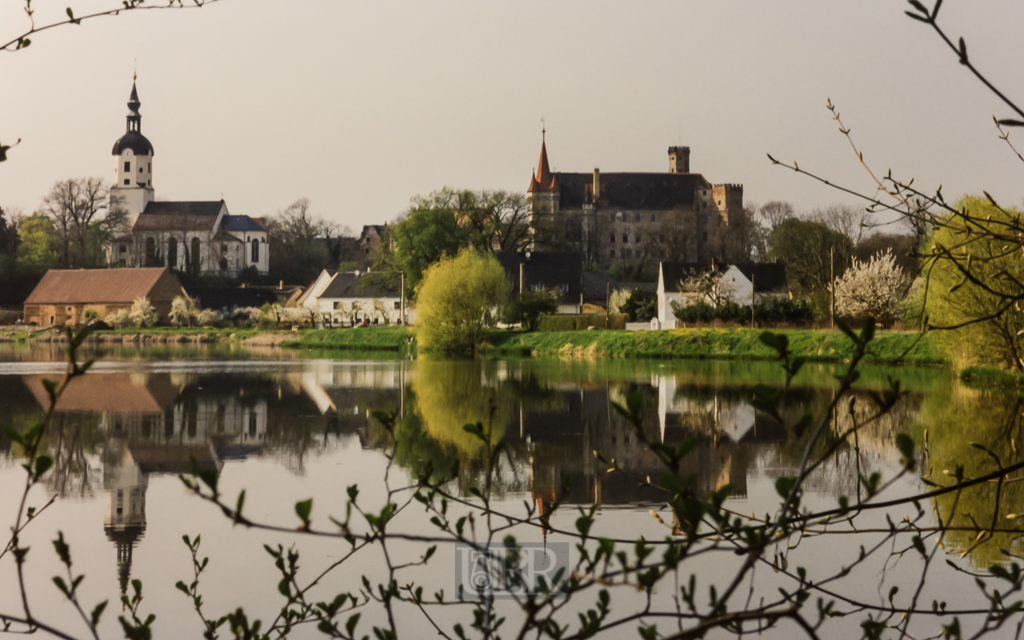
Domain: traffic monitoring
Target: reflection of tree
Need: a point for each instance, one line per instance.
(72, 438)
(955, 422)
(451, 394)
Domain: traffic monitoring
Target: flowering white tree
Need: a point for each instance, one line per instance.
(707, 286)
(874, 288)
(142, 313)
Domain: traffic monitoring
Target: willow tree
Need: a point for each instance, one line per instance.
(456, 298)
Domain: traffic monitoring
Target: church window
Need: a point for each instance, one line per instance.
(224, 247)
(150, 251)
(128, 165)
(172, 253)
(127, 181)
(194, 252)
(255, 250)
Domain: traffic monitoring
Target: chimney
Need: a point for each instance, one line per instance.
(679, 159)
(597, 185)
(280, 284)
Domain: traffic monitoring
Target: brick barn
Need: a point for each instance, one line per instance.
(63, 296)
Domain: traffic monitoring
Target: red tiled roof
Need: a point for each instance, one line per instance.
(543, 181)
(96, 286)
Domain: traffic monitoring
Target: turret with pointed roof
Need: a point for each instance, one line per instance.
(543, 181)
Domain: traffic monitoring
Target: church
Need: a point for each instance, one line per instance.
(193, 237)
(631, 218)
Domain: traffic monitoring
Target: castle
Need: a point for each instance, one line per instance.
(193, 237)
(631, 218)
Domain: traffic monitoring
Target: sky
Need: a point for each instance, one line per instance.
(360, 106)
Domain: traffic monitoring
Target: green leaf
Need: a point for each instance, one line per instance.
(303, 508)
(906, 446)
(784, 486)
(43, 464)
(350, 624)
(97, 612)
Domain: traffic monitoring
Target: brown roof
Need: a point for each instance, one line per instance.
(118, 392)
(179, 216)
(97, 286)
(543, 181)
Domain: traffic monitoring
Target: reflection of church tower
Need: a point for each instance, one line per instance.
(125, 521)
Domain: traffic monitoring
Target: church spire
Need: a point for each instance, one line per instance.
(134, 117)
(543, 180)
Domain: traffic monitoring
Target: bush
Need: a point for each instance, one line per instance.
(142, 313)
(767, 311)
(183, 311)
(209, 318)
(581, 322)
(8, 317)
(640, 306)
(528, 308)
(118, 319)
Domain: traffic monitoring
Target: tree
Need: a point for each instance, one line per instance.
(772, 214)
(707, 286)
(142, 313)
(875, 288)
(810, 251)
(527, 308)
(38, 248)
(299, 243)
(455, 297)
(974, 292)
(183, 311)
(73, 205)
(852, 222)
(426, 235)
(639, 306)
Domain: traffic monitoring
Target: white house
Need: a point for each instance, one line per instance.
(200, 238)
(741, 283)
(347, 296)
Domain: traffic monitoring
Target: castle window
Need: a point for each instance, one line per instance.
(611, 254)
(613, 238)
(141, 170)
(128, 165)
(704, 236)
(703, 205)
(627, 253)
(625, 238)
(654, 217)
(636, 237)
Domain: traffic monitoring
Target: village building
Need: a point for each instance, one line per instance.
(351, 296)
(65, 296)
(631, 217)
(194, 237)
(743, 284)
(545, 271)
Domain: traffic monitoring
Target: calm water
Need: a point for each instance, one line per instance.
(286, 426)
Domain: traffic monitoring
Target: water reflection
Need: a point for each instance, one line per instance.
(117, 428)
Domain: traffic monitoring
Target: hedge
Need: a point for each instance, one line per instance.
(582, 322)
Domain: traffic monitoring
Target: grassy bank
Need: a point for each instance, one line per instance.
(818, 345)
(987, 378)
(374, 338)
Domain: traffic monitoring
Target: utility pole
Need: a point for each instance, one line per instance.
(832, 285)
(608, 298)
(401, 304)
(753, 299)
(522, 278)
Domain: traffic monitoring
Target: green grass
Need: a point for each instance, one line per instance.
(815, 345)
(380, 338)
(988, 378)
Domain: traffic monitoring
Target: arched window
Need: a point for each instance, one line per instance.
(255, 250)
(150, 251)
(172, 253)
(194, 254)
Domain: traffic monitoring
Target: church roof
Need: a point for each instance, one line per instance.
(241, 223)
(179, 216)
(644, 191)
(543, 180)
(135, 141)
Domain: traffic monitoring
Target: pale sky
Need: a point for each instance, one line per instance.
(361, 105)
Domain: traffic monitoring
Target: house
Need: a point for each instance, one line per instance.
(741, 283)
(631, 217)
(541, 270)
(196, 237)
(347, 296)
(63, 297)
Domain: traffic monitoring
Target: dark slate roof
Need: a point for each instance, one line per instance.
(646, 191)
(768, 277)
(85, 286)
(135, 141)
(349, 285)
(547, 268)
(596, 285)
(179, 216)
(241, 223)
(228, 297)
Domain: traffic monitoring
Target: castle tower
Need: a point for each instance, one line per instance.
(133, 163)
(543, 193)
(679, 159)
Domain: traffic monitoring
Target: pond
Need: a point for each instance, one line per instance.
(287, 426)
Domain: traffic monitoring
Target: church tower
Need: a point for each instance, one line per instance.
(133, 163)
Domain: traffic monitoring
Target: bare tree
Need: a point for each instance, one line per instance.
(72, 205)
(852, 222)
(772, 214)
